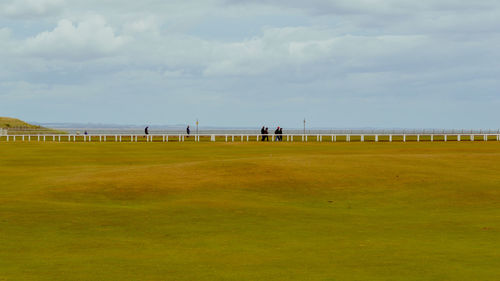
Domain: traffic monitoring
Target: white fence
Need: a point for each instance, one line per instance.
(253, 137)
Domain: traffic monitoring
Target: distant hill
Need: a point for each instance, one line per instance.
(15, 126)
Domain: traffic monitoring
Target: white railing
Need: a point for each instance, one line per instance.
(253, 137)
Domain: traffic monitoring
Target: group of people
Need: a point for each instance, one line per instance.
(278, 134)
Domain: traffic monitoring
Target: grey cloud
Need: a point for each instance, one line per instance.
(31, 9)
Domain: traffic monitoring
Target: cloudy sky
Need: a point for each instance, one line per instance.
(339, 63)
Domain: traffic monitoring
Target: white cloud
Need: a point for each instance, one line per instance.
(88, 39)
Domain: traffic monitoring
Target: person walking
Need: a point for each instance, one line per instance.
(276, 134)
(188, 131)
(146, 130)
(281, 134)
(262, 132)
(266, 133)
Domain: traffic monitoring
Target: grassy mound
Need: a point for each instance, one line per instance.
(19, 127)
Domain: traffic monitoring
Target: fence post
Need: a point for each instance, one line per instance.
(390, 138)
(445, 138)
(459, 138)
(362, 138)
(376, 138)
(432, 138)
(485, 138)
(43, 138)
(418, 138)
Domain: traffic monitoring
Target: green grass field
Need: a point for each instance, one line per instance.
(250, 211)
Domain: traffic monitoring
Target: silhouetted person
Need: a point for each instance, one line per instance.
(188, 131)
(281, 134)
(276, 134)
(146, 130)
(262, 132)
(266, 134)
(86, 133)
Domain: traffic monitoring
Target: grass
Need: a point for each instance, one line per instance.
(19, 127)
(250, 211)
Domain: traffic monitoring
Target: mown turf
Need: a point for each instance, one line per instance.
(249, 211)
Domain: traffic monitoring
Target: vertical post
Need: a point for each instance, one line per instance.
(306, 138)
(305, 127)
(376, 138)
(335, 138)
(362, 138)
(418, 138)
(232, 138)
(226, 138)
(167, 138)
(390, 138)
(445, 138)
(404, 138)
(53, 138)
(247, 138)
(485, 138)
(459, 137)
(29, 138)
(59, 138)
(432, 137)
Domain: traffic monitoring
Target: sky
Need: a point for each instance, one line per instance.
(337, 63)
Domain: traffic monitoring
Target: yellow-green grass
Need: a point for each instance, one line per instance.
(250, 211)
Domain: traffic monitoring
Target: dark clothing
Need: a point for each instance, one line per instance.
(281, 134)
(262, 132)
(146, 130)
(266, 132)
(188, 131)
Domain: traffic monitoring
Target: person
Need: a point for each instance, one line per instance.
(281, 134)
(86, 133)
(146, 130)
(188, 131)
(276, 134)
(262, 132)
(266, 133)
